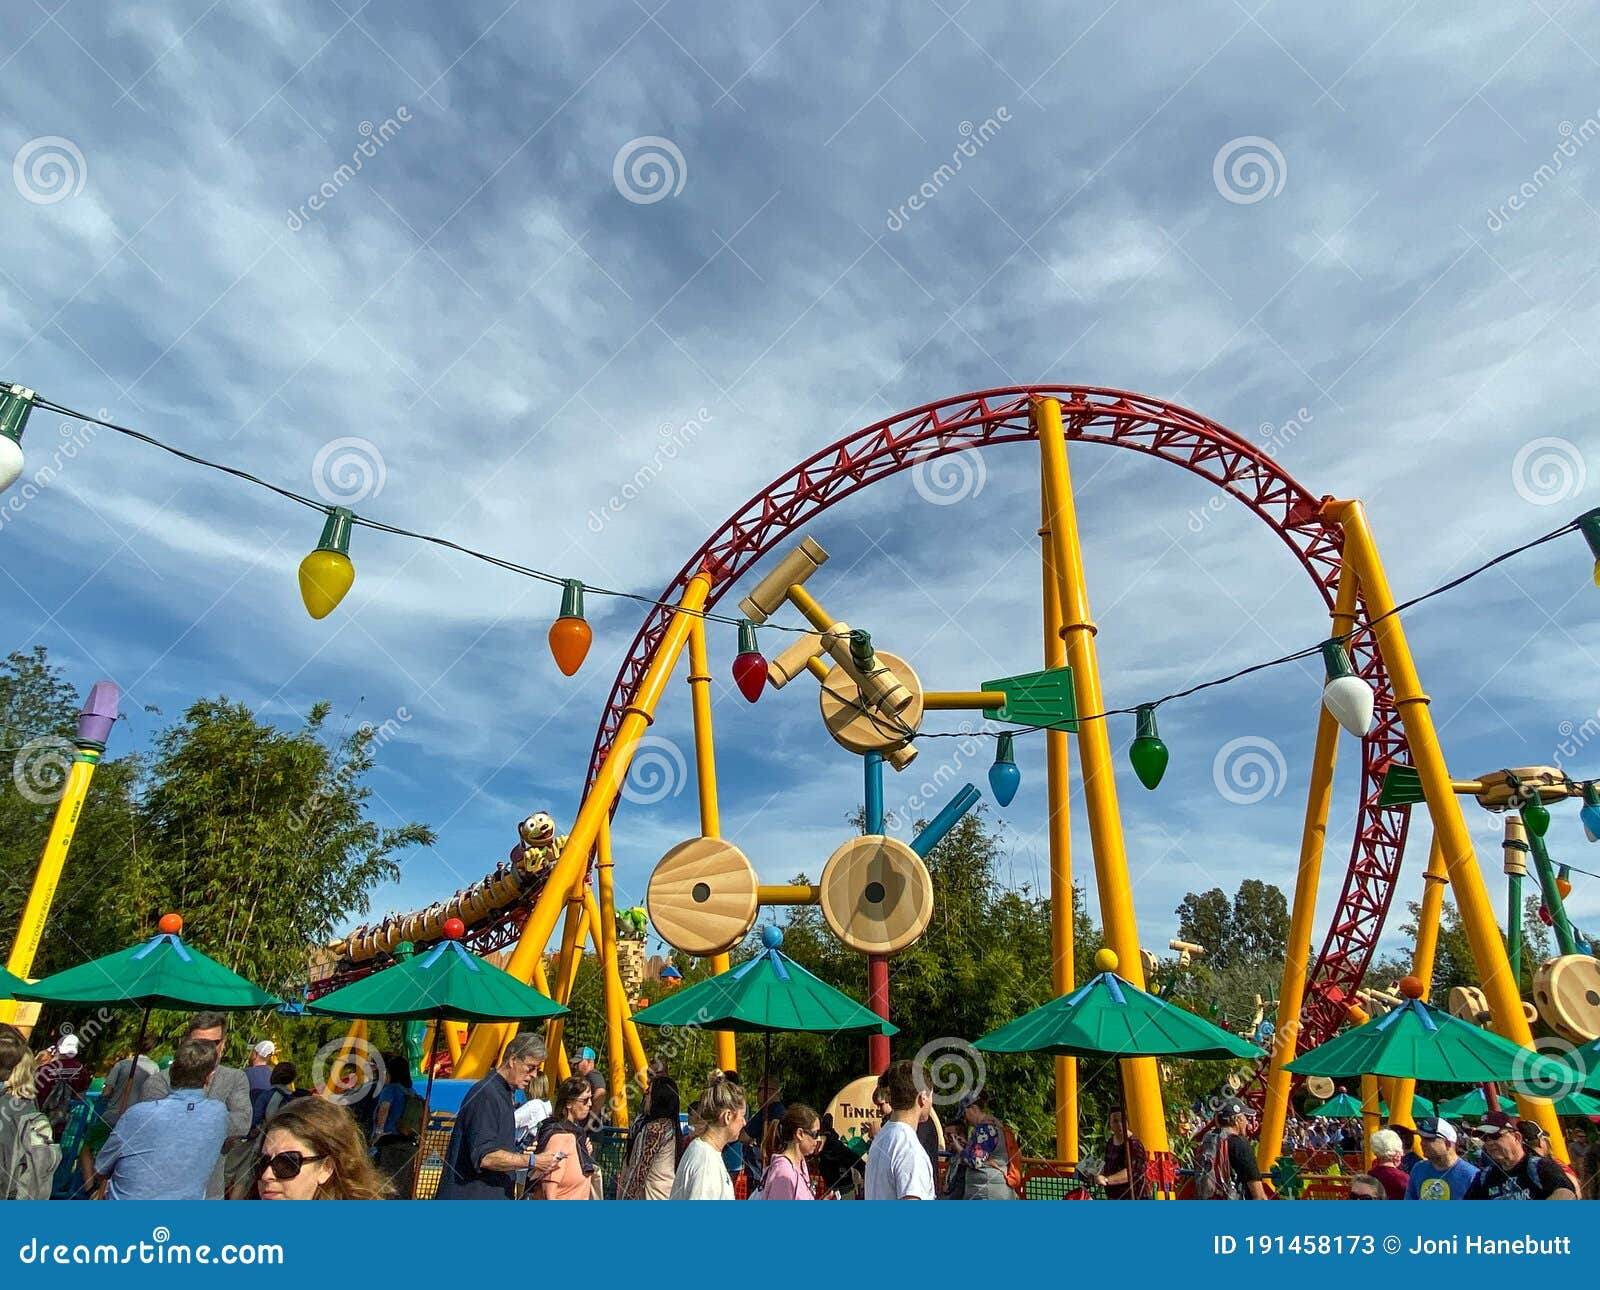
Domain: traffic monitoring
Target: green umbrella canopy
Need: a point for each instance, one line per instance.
(162, 972)
(770, 992)
(1586, 1061)
(1341, 1107)
(1472, 1105)
(10, 982)
(1417, 1041)
(445, 982)
(1108, 1017)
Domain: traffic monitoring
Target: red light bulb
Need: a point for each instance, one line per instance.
(749, 667)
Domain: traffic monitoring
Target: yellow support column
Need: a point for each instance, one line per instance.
(603, 923)
(1371, 1121)
(48, 875)
(705, 769)
(577, 927)
(1313, 836)
(1434, 881)
(1444, 808)
(487, 1040)
(1145, 1113)
(1057, 768)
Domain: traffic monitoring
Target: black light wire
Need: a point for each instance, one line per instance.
(900, 726)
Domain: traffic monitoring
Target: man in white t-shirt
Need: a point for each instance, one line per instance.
(898, 1167)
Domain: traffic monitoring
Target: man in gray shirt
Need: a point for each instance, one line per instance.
(227, 1085)
(164, 1150)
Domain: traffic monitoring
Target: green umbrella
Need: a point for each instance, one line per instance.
(1586, 1061)
(1417, 1041)
(768, 993)
(1341, 1107)
(1108, 1017)
(1473, 1104)
(763, 995)
(447, 982)
(8, 983)
(162, 972)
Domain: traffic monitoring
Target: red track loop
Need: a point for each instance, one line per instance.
(1097, 416)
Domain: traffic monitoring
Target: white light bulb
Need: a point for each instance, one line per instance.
(10, 462)
(1350, 700)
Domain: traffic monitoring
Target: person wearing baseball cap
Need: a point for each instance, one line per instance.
(1513, 1172)
(584, 1065)
(263, 1056)
(1229, 1171)
(1442, 1173)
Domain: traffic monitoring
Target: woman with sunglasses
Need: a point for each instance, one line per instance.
(312, 1150)
(794, 1138)
(566, 1134)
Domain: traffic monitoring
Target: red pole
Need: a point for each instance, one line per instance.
(878, 1001)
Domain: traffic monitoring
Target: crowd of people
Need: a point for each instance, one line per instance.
(198, 1129)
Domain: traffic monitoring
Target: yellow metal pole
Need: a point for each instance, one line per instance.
(603, 926)
(1466, 881)
(487, 1040)
(1371, 1121)
(46, 877)
(572, 934)
(1058, 796)
(616, 1067)
(958, 700)
(788, 894)
(1313, 836)
(705, 769)
(1140, 1078)
(1434, 881)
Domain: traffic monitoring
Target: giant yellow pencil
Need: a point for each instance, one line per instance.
(94, 728)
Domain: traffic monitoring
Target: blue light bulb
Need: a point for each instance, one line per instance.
(1004, 777)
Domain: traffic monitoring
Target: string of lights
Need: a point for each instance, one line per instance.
(326, 575)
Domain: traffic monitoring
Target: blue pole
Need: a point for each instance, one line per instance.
(946, 820)
(873, 763)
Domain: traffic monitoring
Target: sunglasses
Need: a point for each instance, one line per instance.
(1361, 1195)
(285, 1165)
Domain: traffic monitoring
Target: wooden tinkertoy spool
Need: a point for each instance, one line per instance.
(877, 895)
(1469, 1003)
(861, 728)
(1566, 991)
(702, 896)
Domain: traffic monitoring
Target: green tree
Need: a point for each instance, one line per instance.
(1206, 919)
(260, 837)
(1259, 923)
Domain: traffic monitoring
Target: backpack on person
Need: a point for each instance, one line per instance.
(56, 1106)
(1014, 1177)
(1213, 1169)
(28, 1157)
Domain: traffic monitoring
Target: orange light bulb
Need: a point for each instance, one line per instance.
(570, 635)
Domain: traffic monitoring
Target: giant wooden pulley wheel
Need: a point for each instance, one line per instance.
(702, 896)
(1566, 991)
(877, 895)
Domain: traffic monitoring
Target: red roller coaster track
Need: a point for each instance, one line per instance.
(1091, 415)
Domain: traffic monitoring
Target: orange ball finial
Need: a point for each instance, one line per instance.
(1106, 960)
(171, 924)
(1411, 987)
(454, 929)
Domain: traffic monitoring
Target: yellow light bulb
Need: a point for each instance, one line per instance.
(325, 577)
(1597, 573)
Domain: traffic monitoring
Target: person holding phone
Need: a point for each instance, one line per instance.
(564, 1137)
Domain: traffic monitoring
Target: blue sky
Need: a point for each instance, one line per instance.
(1295, 222)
